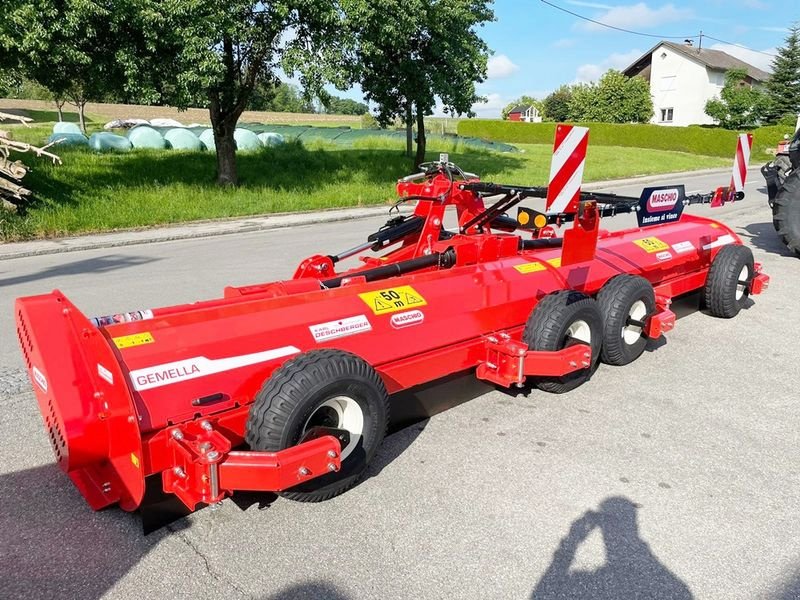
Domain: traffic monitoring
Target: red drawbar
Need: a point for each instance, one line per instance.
(508, 362)
(759, 284)
(205, 470)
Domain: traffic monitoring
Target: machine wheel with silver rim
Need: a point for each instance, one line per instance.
(626, 302)
(729, 278)
(559, 320)
(322, 392)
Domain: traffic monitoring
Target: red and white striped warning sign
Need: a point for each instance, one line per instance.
(743, 147)
(566, 168)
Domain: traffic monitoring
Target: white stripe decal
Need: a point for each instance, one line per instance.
(720, 241)
(568, 192)
(565, 150)
(200, 366)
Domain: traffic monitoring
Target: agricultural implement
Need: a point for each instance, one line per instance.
(284, 386)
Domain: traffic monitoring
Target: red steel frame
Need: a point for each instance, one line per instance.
(173, 396)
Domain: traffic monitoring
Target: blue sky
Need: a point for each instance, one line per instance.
(537, 47)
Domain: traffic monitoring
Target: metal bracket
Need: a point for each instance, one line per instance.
(509, 362)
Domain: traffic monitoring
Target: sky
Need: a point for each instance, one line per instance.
(536, 48)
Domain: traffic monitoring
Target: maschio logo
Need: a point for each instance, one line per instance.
(663, 200)
(406, 319)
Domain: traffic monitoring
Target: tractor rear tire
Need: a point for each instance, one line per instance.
(786, 212)
(559, 320)
(322, 388)
(728, 284)
(622, 298)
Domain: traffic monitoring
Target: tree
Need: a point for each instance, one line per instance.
(220, 51)
(283, 97)
(522, 101)
(783, 86)
(556, 105)
(615, 98)
(345, 106)
(411, 52)
(740, 105)
(67, 47)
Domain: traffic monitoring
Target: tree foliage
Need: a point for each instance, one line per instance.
(556, 104)
(345, 106)
(740, 105)
(522, 101)
(783, 86)
(615, 98)
(411, 53)
(283, 97)
(67, 47)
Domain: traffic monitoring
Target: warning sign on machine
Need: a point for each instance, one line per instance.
(390, 300)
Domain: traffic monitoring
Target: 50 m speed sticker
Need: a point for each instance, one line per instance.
(651, 245)
(383, 302)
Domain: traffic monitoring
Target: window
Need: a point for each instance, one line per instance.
(666, 115)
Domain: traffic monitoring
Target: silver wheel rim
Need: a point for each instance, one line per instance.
(580, 331)
(631, 333)
(340, 412)
(741, 288)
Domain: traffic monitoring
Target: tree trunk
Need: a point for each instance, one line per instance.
(60, 109)
(420, 137)
(227, 173)
(82, 115)
(409, 130)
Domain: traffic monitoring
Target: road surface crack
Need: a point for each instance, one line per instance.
(213, 573)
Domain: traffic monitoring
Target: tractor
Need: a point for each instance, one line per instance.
(783, 189)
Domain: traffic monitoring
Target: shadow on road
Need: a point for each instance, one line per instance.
(631, 569)
(52, 545)
(312, 590)
(764, 237)
(99, 265)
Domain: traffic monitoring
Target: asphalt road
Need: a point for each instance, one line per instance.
(673, 477)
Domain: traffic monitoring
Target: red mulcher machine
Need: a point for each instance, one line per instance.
(284, 386)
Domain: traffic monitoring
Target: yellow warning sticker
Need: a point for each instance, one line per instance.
(531, 267)
(556, 262)
(136, 339)
(390, 300)
(651, 244)
(135, 460)
(535, 267)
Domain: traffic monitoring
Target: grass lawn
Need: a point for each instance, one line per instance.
(99, 192)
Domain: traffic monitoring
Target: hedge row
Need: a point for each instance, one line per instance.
(695, 140)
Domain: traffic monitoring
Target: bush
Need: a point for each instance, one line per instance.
(694, 139)
(368, 121)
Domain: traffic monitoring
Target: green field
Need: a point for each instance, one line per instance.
(99, 192)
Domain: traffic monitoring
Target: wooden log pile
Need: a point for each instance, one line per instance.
(12, 193)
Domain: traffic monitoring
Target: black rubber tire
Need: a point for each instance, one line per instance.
(546, 329)
(297, 389)
(615, 301)
(723, 280)
(786, 212)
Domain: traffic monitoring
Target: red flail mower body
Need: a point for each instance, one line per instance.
(283, 386)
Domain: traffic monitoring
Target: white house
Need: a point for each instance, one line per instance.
(529, 114)
(683, 78)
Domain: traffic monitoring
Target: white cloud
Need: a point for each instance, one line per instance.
(638, 16)
(593, 71)
(761, 61)
(589, 4)
(564, 43)
(491, 108)
(500, 67)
